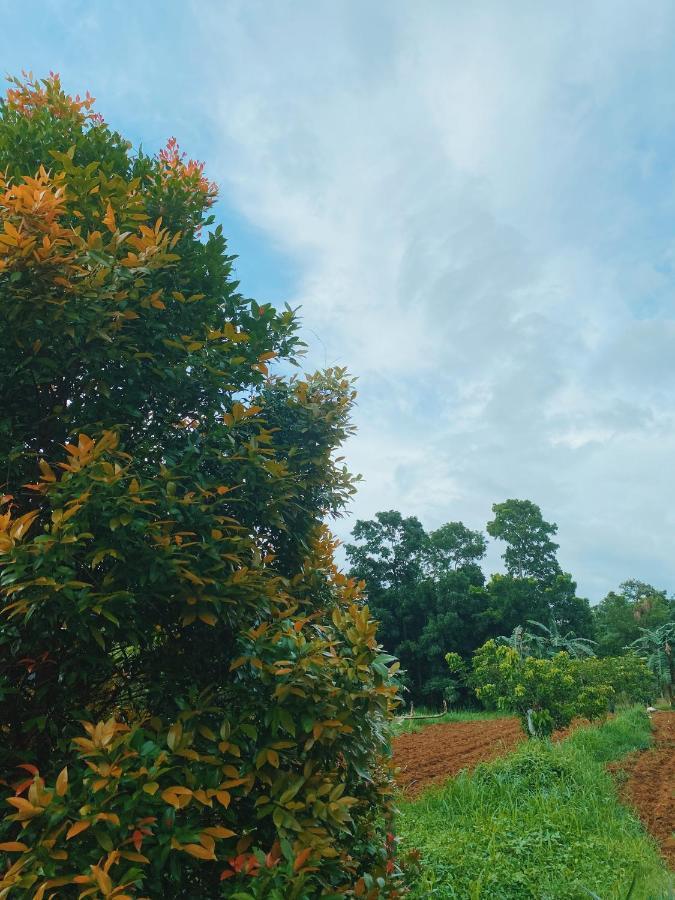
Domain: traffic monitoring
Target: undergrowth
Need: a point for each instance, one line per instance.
(543, 822)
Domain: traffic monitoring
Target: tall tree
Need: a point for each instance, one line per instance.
(426, 592)
(453, 546)
(530, 552)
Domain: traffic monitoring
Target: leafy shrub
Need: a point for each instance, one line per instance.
(628, 676)
(548, 693)
(192, 698)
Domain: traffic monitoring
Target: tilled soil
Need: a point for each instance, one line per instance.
(650, 784)
(439, 751)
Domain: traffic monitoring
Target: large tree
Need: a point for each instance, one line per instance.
(529, 552)
(190, 693)
(425, 590)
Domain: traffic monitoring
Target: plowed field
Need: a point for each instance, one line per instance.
(650, 786)
(443, 750)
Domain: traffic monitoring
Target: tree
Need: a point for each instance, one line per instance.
(190, 693)
(392, 552)
(426, 592)
(530, 552)
(453, 546)
(511, 601)
(621, 615)
(545, 693)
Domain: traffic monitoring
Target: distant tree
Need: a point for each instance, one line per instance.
(530, 552)
(511, 601)
(426, 592)
(391, 554)
(621, 615)
(454, 546)
(568, 611)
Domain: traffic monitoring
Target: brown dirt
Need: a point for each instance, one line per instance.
(439, 751)
(650, 784)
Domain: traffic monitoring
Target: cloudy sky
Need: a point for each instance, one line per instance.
(474, 205)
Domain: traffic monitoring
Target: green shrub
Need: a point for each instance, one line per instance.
(192, 698)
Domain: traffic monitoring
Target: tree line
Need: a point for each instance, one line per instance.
(431, 596)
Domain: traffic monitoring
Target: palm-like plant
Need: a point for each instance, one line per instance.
(655, 646)
(519, 640)
(552, 641)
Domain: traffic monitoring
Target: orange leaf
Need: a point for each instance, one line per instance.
(77, 828)
(301, 858)
(62, 782)
(199, 852)
(109, 219)
(219, 832)
(13, 847)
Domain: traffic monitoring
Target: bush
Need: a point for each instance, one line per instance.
(545, 693)
(192, 698)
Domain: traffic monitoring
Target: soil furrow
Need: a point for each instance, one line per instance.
(650, 784)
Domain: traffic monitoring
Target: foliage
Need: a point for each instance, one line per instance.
(192, 698)
(425, 590)
(542, 822)
(550, 640)
(429, 593)
(621, 615)
(545, 693)
(628, 676)
(655, 645)
(530, 552)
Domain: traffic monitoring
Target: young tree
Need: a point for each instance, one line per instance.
(192, 698)
(655, 646)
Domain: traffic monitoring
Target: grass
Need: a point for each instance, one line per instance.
(543, 822)
(410, 726)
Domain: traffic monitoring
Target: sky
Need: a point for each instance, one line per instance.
(474, 207)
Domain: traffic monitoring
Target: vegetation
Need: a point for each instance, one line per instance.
(192, 699)
(432, 599)
(655, 645)
(619, 618)
(542, 822)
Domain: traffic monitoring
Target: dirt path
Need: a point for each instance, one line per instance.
(443, 750)
(650, 787)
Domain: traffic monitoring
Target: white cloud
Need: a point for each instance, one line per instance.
(466, 191)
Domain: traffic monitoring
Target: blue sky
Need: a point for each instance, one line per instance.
(474, 206)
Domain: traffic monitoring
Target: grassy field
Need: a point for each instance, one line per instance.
(543, 822)
(410, 726)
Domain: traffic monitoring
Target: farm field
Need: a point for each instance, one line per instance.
(542, 820)
(650, 784)
(431, 755)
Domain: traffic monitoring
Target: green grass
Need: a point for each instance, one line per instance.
(410, 726)
(543, 822)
